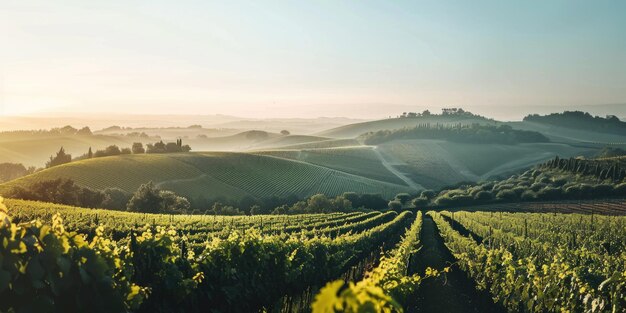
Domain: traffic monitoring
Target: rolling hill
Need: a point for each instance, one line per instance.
(436, 163)
(212, 175)
(354, 130)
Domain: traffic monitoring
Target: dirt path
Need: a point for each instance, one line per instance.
(454, 292)
(393, 170)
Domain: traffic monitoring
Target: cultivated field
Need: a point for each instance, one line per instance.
(216, 174)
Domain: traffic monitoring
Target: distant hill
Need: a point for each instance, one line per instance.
(581, 120)
(212, 175)
(354, 130)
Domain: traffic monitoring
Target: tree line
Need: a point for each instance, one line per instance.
(10, 171)
(150, 199)
(472, 133)
(63, 157)
(581, 120)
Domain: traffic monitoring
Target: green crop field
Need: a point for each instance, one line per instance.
(217, 174)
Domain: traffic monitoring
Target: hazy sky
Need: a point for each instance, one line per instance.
(290, 58)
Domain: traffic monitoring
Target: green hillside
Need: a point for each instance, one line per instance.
(36, 149)
(216, 174)
(362, 161)
(435, 163)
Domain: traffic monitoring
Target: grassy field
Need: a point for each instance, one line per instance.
(215, 174)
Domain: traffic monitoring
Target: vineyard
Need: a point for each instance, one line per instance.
(362, 161)
(218, 174)
(132, 262)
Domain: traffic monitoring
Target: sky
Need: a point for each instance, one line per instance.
(361, 59)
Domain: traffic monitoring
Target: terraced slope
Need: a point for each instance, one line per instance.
(215, 174)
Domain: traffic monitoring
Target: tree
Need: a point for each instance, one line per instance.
(60, 158)
(172, 203)
(149, 199)
(256, 210)
(84, 131)
(137, 148)
(146, 199)
(89, 153)
(284, 132)
(319, 203)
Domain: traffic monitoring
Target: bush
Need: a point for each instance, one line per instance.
(549, 193)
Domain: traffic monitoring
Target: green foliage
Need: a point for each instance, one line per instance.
(385, 289)
(185, 273)
(44, 268)
(543, 262)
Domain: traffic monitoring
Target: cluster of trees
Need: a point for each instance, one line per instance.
(399, 202)
(161, 147)
(10, 171)
(58, 131)
(62, 157)
(147, 198)
(543, 183)
(581, 120)
(150, 199)
(473, 133)
(444, 111)
(63, 191)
